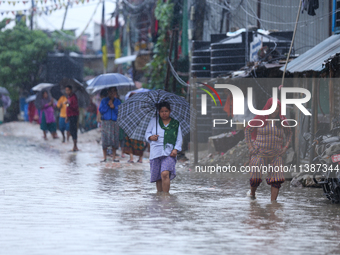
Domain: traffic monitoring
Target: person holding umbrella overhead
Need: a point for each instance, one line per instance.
(110, 130)
(165, 137)
(139, 119)
(47, 120)
(72, 113)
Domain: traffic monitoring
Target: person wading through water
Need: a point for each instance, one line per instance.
(72, 115)
(165, 137)
(266, 147)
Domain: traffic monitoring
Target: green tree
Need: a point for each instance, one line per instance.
(4, 23)
(64, 40)
(157, 67)
(22, 54)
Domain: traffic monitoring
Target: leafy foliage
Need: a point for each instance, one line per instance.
(88, 71)
(22, 53)
(64, 40)
(4, 22)
(156, 69)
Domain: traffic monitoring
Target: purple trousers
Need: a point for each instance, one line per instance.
(160, 164)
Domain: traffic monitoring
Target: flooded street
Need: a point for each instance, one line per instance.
(52, 203)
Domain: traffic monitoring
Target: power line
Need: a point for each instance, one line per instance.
(285, 23)
(138, 8)
(95, 10)
(47, 8)
(255, 14)
(260, 85)
(176, 76)
(276, 6)
(226, 5)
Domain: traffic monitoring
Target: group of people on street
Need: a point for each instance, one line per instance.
(68, 119)
(267, 142)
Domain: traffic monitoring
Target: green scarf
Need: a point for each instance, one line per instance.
(170, 132)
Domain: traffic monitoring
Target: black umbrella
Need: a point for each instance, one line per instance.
(56, 92)
(80, 91)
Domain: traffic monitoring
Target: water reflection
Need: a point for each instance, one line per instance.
(71, 160)
(107, 181)
(269, 217)
(69, 204)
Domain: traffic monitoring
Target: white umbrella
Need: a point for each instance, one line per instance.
(109, 80)
(90, 81)
(42, 86)
(3, 91)
(136, 91)
(31, 98)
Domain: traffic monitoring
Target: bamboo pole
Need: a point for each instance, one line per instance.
(314, 115)
(195, 136)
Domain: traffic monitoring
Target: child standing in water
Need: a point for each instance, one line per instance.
(165, 137)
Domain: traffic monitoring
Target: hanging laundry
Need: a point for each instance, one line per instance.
(310, 6)
(304, 6)
(313, 5)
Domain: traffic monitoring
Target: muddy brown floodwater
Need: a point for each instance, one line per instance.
(52, 203)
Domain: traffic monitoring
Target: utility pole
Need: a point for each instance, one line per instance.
(167, 78)
(62, 26)
(247, 39)
(199, 8)
(258, 13)
(32, 14)
(222, 21)
(174, 81)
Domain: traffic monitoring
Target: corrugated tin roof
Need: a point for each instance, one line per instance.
(313, 59)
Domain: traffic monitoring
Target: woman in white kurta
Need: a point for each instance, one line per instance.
(165, 142)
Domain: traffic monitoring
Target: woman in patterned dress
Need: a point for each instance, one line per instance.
(165, 137)
(266, 148)
(133, 147)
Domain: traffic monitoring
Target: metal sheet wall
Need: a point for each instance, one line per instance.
(275, 15)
